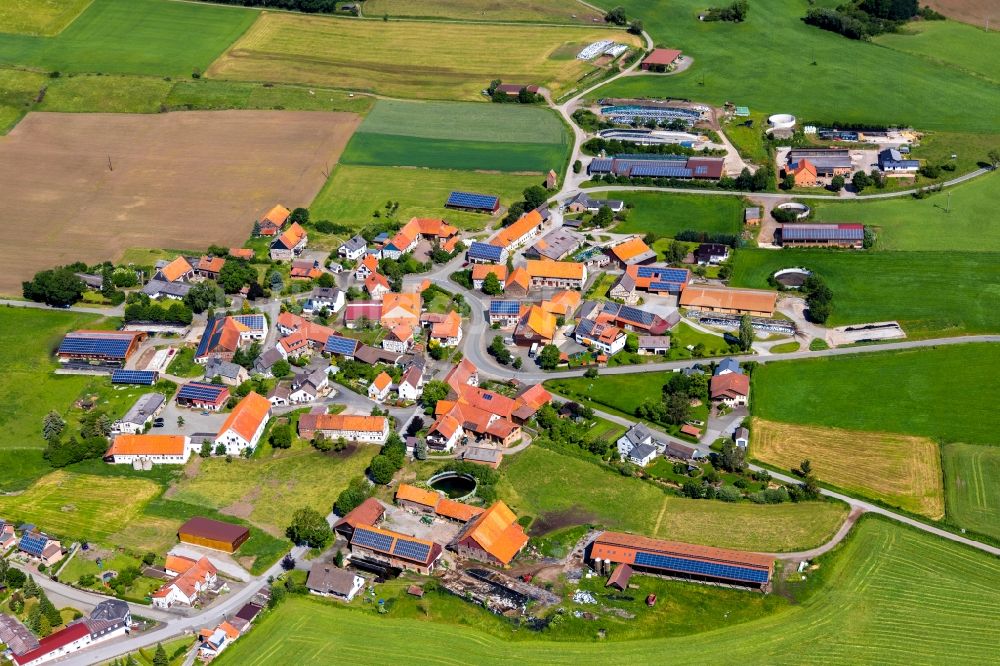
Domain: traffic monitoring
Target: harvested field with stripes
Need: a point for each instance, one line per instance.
(900, 470)
(972, 480)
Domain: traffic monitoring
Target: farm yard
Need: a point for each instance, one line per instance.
(900, 470)
(353, 193)
(931, 294)
(847, 80)
(534, 483)
(928, 393)
(925, 224)
(81, 506)
(429, 60)
(131, 37)
(29, 390)
(972, 485)
(666, 215)
(39, 17)
(464, 136)
(535, 11)
(874, 604)
(57, 172)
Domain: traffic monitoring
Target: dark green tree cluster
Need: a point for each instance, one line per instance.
(141, 307)
(499, 351)
(863, 19)
(819, 299)
(385, 465)
(548, 357)
(616, 16)
(351, 497)
(674, 404)
(735, 12)
(203, 296)
(309, 528)
(236, 274)
(58, 287)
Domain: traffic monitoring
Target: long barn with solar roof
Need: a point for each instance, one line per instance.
(110, 348)
(681, 560)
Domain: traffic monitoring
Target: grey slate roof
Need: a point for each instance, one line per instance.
(328, 579)
(642, 451)
(143, 408)
(217, 366)
(729, 363)
(156, 288)
(638, 434)
(354, 244)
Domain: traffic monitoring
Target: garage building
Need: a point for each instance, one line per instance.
(214, 534)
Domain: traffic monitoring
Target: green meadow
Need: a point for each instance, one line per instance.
(928, 224)
(867, 601)
(972, 486)
(353, 193)
(39, 17)
(767, 63)
(665, 214)
(950, 44)
(133, 37)
(931, 294)
(933, 392)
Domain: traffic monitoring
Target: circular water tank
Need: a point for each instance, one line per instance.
(781, 121)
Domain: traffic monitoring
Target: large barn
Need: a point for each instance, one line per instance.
(681, 560)
(213, 534)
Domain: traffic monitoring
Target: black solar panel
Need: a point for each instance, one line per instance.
(336, 344)
(635, 314)
(200, 391)
(373, 540)
(472, 200)
(505, 307)
(485, 251)
(140, 377)
(411, 550)
(727, 571)
(114, 347)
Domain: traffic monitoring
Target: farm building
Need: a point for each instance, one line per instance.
(369, 513)
(630, 318)
(633, 252)
(485, 253)
(751, 216)
(305, 269)
(518, 283)
(822, 235)
(825, 162)
(209, 267)
(555, 245)
(199, 395)
(606, 338)
(369, 429)
(417, 499)
(178, 270)
(803, 173)
(731, 389)
(213, 534)
(223, 336)
(242, 253)
(660, 59)
(406, 239)
(274, 220)
(228, 373)
(139, 414)
(536, 326)
(681, 560)
(111, 348)
(646, 166)
(448, 331)
(653, 345)
(384, 548)
(480, 271)
(245, 424)
(556, 274)
(514, 89)
(656, 279)
(731, 301)
(192, 579)
(109, 619)
(156, 449)
(401, 310)
(483, 456)
(361, 312)
(520, 232)
(583, 203)
(494, 537)
(476, 203)
(891, 160)
(326, 580)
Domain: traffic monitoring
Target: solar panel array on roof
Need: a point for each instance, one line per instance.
(485, 252)
(33, 543)
(472, 200)
(140, 377)
(336, 344)
(657, 171)
(253, 321)
(505, 307)
(96, 344)
(600, 165)
(201, 391)
(714, 569)
(369, 539)
(638, 316)
(210, 340)
(822, 232)
(585, 327)
(411, 550)
(663, 274)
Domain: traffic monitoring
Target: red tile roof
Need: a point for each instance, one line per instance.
(62, 638)
(247, 416)
(730, 385)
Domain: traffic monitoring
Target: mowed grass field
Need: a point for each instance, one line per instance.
(972, 483)
(353, 193)
(558, 488)
(950, 44)
(666, 214)
(269, 488)
(133, 37)
(80, 506)
(540, 11)
(927, 224)
(852, 81)
(222, 175)
(29, 390)
(901, 470)
(931, 294)
(490, 137)
(428, 60)
(933, 392)
(39, 17)
(890, 594)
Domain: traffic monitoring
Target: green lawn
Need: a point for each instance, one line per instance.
(972, 487)
(353, 193)
(562, 490)
(458, 135)
(931, 294)
(183, 365)
(39, 17)
(934, 392)
(750, 63)
(29, 390)
(133, 37)
(666, 214)
(541, 11)
(890, 594)
(950, 44)
(926, 224)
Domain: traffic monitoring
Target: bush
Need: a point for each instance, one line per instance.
(728, 494)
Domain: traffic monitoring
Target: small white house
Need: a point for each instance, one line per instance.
(642, 455)
(637, 435)
(353, 249)
(412, 385)
(742, 437)
(378, 390)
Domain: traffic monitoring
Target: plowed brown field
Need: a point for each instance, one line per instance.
(901, 470)
(176, 180)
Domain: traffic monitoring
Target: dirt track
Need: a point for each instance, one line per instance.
(177, 180)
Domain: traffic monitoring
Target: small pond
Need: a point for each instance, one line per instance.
(454, 485)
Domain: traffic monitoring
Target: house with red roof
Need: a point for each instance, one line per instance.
(732, 389)
(378, 390)
(195, 578)
(274, 220)
(245, 424)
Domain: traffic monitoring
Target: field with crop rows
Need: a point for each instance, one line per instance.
(972, 484)
(540, 11)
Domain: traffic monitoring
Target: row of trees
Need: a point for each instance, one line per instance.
(140, 307)
(735, 12)
(819, 299)
(864, 19)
